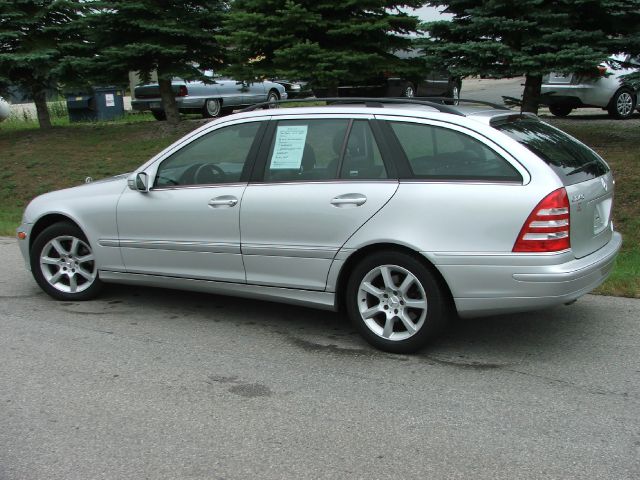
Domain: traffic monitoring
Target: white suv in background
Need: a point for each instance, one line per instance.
(607, 90)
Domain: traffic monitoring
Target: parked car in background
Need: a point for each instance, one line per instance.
(295, 88)
(434, 84)
(606, 89)
(211, 99)
(401, 213)
(5, 109)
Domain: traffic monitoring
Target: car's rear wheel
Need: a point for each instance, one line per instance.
(212, 108)
(409, 91)
(63, 263)
(622, 104)
(395, 302)
(159, 115)
(560, 109)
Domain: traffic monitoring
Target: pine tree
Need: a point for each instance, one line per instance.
(34, 36)
(323, 41)
(169, 37)
(506, 38)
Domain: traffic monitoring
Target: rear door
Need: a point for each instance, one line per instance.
(318, 181)
(586, 177)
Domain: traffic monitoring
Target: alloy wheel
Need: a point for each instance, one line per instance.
(624, 104)
(67, 264)
(392, 302)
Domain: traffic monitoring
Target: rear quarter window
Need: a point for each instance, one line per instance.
(441, 153)
(572, 160)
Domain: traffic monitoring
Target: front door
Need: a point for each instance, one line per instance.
(187, 225)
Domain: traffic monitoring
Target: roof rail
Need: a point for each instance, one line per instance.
(367, 101)
(464, 100)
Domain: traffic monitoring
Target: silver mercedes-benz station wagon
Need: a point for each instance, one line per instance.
(400, 212)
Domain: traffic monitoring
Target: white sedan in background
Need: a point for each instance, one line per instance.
(5, 109)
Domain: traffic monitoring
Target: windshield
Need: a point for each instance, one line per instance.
(572, 161)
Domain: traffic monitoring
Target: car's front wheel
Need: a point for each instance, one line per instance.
(395, 302)
(622, 104)
(63, 263)
(272, 98)
(408, 91)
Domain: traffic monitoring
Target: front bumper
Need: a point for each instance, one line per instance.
(488, 285)
(24, 244)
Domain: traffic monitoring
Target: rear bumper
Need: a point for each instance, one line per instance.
(579, 95)
(483, 286)
(183, 103)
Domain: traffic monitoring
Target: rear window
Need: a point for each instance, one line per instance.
(572, 161)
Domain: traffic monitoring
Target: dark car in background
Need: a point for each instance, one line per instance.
(211, 99)
(295, 88)
(434, 84)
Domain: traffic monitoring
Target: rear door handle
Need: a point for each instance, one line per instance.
(223, 201)
(349, 199)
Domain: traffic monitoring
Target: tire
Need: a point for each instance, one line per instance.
(377, 302)
(212, 108)
(622, 104)
(408, 91)
(63, 263)
(273, 97)
(159, 115)
(454, 93)
(560, 109)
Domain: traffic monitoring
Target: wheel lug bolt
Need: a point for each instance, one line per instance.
(386, 307)
(395, 311)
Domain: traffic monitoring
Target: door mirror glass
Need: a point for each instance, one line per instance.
(142, 182)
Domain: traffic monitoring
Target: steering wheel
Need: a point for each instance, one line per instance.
(208, 173)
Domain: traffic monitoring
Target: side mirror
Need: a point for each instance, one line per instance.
(139, 182)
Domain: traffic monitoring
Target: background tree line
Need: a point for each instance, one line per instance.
(75, 43)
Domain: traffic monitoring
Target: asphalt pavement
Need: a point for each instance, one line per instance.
(158, 384)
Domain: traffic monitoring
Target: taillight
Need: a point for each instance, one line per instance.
(602, 70)
(547, 228)
(182, 91)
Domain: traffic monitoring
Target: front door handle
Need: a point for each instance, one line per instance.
(349, 199)
(223, 201)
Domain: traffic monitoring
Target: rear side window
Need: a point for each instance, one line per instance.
(362, 159)
(572, 161)
(443, 154)
(304, 150)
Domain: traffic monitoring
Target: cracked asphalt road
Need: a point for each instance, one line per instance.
(158, 384)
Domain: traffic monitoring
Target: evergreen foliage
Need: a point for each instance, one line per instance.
(169, 37)
(506, 38)
(322, 41)
(35, 35)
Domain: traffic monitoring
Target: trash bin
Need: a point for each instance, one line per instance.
(102, 103)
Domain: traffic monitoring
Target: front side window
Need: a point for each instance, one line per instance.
(441, 153)
(217, 157)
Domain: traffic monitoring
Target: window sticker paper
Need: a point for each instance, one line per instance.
(289, 147)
